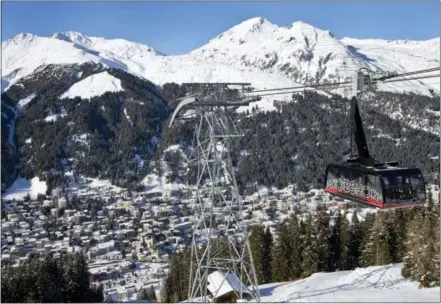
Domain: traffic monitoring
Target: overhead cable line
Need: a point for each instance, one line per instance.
(348, 82)
(295, 89)
(407, 74)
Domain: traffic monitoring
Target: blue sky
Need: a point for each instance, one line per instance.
(176, 27)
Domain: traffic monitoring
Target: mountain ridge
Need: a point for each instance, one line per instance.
(255, 50)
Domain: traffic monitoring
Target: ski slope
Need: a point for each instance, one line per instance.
(379, 284)
(22, 187)
(94, 85)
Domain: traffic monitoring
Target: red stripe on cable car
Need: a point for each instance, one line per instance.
(366, 199)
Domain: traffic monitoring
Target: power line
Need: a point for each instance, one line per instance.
(408, 73)
(304, 87)
(295, 89)
(347, 82)
(407, 79)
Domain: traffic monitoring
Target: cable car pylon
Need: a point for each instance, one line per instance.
(218, 262)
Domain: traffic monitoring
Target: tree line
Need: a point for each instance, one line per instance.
(49, 280)
(325, 242)
(295, 143)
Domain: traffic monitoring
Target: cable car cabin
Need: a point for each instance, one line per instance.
(382, 186)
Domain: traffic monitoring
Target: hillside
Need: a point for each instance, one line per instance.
(76, 106)
(375, 284)
(80, 120)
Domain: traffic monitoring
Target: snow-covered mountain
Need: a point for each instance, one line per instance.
(23, 53)
(255, 51)
(307, 54)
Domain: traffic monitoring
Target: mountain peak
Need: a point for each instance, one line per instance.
(253, 25)
(19, 38)
(301, 24)
(74, 37)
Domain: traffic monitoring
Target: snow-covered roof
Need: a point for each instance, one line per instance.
(220, 284)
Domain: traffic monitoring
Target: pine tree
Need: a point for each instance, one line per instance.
(413, 250)
(355, 240)
(376, 249)
(296, 247)
(321, 238)
(309, 252)
(49, 281)
(281, 267)
(267, 245)
(399, 227)
(256, 244)
(436, 234)
(338, 244)
(176, 273)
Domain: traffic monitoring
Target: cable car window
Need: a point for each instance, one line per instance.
(374, 182)
(333, 173)
(357, 177)
(403, 187)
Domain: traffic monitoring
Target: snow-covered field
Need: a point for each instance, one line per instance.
(22, 187)
(379, 284)
(94, 85)
(375, 284)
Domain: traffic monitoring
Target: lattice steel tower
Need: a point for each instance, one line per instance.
(216, 194)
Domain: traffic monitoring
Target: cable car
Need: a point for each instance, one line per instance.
(369, 182)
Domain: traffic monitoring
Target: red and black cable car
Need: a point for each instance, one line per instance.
(365, 180)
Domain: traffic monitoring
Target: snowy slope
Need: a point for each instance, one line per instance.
(298, 52)
(94, 85)
(255, 51)
(401, 56)
(379, 284)
(24, 53)
(22, 187)
(304, 53)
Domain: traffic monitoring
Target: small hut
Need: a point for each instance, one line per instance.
(226, 288)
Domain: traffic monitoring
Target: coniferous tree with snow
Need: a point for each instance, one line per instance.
(355, 240)
(414, 239)
(256, 244)
(47, 280)
(338, 244)
(376, 250)
(399, 226)
(267, 245)
(296, 245)
(281, 267)
(310, 257)
(421, 262)
(320, 238)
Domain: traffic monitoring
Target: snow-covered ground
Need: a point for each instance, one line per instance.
(94, 85)
(23, 102)
(375, 284)
(22, 187)
(379, 284)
